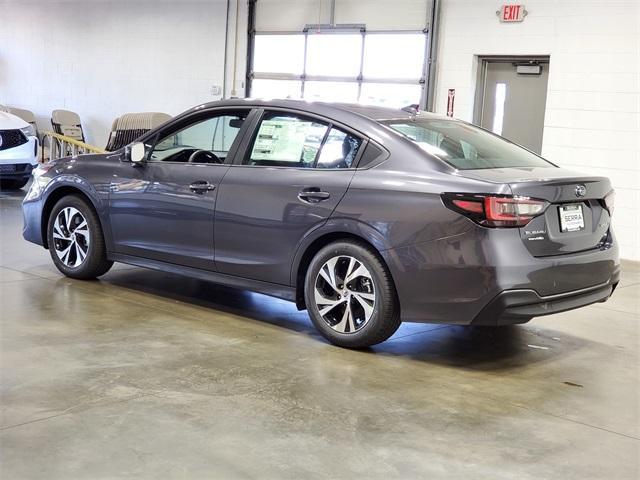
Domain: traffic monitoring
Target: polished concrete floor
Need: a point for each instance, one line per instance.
(148, 375)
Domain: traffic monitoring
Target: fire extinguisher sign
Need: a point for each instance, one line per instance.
(451, 95)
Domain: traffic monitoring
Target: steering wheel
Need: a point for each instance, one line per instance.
(204, 156)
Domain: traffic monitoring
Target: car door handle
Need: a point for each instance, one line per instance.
(202, 186)
(313, 195)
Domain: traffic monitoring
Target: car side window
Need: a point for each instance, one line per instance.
(206, 141)
(437, 142)
(339, 150)
(289, 140)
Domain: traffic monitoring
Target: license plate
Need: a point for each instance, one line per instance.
(571, 218)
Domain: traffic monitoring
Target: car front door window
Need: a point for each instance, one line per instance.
(207, 141)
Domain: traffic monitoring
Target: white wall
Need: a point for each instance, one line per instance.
(293, 15)
(104, 58)
(592, 121)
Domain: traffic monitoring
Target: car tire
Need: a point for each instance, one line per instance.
(359, 312)
(75, 238)
(13, 184)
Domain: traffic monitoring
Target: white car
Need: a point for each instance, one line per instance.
(18, 151)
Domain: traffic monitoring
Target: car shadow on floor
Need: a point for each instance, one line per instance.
(212, 296)
(13, 193)
(473, 348)
(484, 348)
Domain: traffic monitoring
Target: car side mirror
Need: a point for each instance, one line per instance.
(136, 152)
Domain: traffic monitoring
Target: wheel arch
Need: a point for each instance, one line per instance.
(53, 198)
(307, 253)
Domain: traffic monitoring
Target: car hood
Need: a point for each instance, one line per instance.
(9, 121)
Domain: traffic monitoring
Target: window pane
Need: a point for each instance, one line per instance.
(339, 150)
(211, 138)
(390, 95)
(225, 132)
(261, 88)
(394, 55)
(498, 109)
(465, 146)
(279, 54)
(331, 91)
(334, 54)
(287, 141)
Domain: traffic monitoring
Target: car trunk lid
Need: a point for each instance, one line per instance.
(576, 219)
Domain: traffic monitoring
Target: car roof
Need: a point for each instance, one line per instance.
(372, 112)
(365, 119)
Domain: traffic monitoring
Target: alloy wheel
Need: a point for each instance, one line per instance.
(345, 294)
(71, 237)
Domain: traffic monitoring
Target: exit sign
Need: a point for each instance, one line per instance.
(512, 13)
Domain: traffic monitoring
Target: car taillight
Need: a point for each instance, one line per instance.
(495, 210)
(609, 201)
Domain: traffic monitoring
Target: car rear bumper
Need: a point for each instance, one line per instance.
(487, 276)
(519, 306)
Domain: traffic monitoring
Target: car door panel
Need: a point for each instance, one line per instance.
(160, 217)
(164, 210)
(266, 207)
(260, 217)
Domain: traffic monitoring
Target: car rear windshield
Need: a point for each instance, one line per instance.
(464, 146)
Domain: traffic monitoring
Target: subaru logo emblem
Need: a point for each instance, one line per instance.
(581, 190)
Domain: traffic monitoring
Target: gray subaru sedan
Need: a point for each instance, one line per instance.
(364, 216)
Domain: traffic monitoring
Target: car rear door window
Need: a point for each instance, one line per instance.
(289, 140)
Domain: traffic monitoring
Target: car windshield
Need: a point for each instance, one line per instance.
(464, 146)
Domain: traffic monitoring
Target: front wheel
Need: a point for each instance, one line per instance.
(350, 295)
(76, 243)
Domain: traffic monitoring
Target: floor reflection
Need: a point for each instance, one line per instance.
(475, 348)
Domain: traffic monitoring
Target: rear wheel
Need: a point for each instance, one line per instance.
(350, 296)
(75, 238)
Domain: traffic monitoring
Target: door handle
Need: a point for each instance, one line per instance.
(201, 186)
(313, 195)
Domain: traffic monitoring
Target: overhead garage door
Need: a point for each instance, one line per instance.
(370, 51)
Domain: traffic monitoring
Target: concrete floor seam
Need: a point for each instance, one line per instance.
(72, 411)
(559, 417)
(617, 310)
(35, 275)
